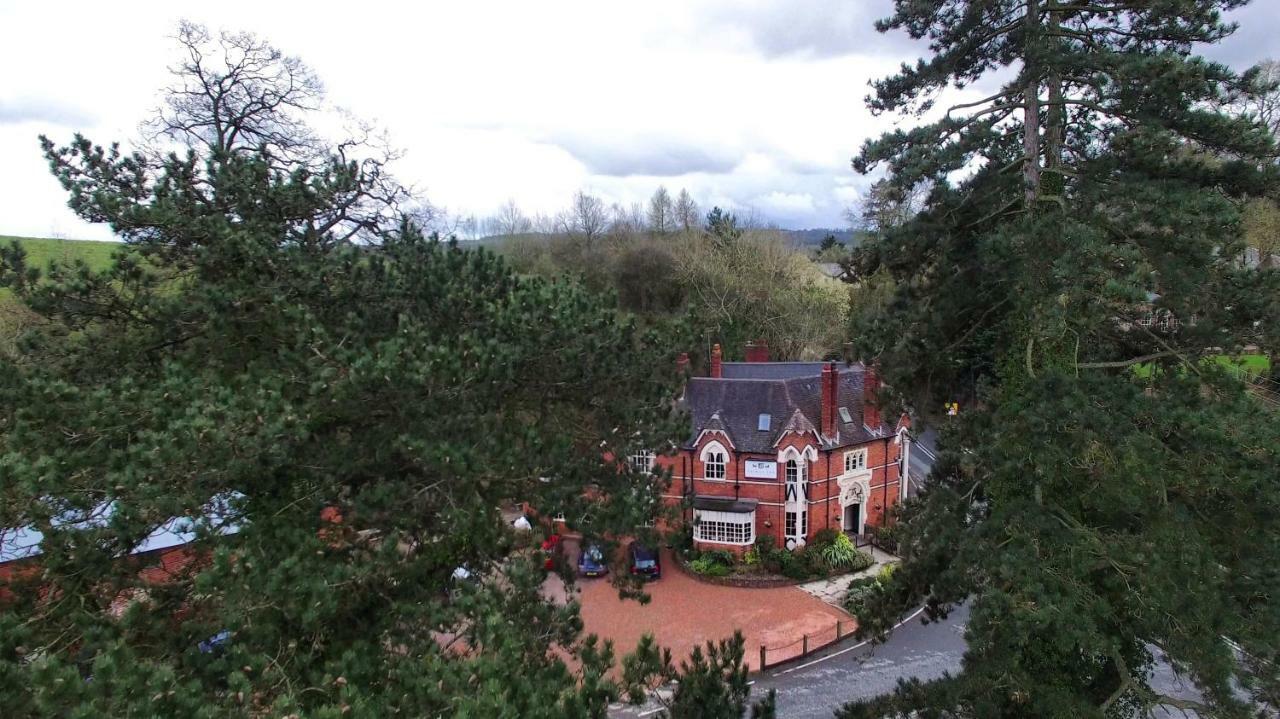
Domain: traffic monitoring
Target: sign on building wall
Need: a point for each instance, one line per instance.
(762, 470)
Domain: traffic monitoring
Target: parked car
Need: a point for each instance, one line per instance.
(592, 561)
(645, 561)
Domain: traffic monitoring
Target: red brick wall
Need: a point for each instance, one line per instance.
(824, 493)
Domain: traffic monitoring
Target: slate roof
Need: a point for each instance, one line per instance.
(770, 370)
(724, 504)
(734, 404)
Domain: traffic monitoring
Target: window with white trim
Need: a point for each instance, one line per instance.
(642, 462)
(793, 472)
(855, 460)
(713, 464)
(725, 527)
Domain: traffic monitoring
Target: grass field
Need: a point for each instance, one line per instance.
(1251, 364)
(42, 251)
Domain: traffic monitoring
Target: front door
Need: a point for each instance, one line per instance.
(853, 519)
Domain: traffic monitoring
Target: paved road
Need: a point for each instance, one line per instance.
(851, 670)
(817, 686)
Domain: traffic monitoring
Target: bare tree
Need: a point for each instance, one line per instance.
(1263, 99)
(686, 212)
(235, 94)
(510, 221)
(587, 219)
(885, 206)
(626, 221)
(661, 212)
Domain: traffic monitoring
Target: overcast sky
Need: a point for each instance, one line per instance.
(750, 104)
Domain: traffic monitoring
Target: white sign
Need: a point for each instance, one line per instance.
(762, 470)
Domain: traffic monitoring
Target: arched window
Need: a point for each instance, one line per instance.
(714, 461)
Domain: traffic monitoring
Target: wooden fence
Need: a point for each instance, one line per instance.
(805, 645)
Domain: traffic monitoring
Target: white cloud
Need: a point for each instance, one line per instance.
(750, 104)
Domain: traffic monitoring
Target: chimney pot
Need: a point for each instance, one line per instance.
(717, 371)
(757, 351)
(682, 364)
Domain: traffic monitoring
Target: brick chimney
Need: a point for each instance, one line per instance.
(830, 392)
(717, 370)
(682, 364)
(757, 351)
(870, 397)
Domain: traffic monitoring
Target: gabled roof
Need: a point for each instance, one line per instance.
(798, 424)
(790, 392)
(715, 424)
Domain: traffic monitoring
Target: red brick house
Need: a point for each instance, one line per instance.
(784, 449)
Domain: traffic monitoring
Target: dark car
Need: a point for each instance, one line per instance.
(592, 562)
(644, 561)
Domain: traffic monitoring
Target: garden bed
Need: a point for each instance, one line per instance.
(830, 555)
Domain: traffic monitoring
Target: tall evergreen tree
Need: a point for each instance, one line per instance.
(1109, 494)
(357, 414)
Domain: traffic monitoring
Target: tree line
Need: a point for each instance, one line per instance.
(731, 279)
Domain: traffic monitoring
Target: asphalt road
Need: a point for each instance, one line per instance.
(818, 685)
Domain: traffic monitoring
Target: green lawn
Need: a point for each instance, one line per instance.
(1254, 364)
(42, 251)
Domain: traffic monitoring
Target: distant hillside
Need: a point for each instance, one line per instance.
(42, 251)
(815, 236)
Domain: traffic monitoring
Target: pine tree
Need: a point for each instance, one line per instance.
(1107, 497)
(338, 424)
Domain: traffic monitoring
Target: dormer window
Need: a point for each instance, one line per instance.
(713, 465)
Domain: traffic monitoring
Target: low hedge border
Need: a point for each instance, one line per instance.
(741, 581)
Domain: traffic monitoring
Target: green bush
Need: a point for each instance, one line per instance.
(886, 573)
(824, 538)
(708, 566)
(720, 556)
(841, 554)
(765, 544)
(859, 591)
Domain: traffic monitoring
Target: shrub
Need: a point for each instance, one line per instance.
(886, 573)
(751, 557)
(765, 544)
(793, 565)
(859, 591)
(839, 553)
(720, 556)
(824, 538)
(708, 566)
(887, 537)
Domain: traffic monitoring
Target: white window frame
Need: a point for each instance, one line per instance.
(715, 451)
(736, 528)
(855, 460)
(642, 461)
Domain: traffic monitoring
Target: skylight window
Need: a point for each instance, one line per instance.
(844, 415)
(764, 422)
